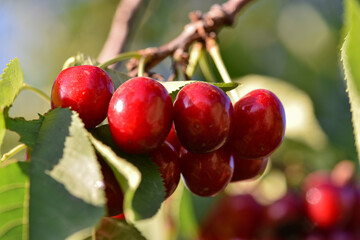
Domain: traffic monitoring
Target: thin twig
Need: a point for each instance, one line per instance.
(119, 30)
(217, 17)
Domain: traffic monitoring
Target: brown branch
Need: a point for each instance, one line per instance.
(201, 26)
(119, 29)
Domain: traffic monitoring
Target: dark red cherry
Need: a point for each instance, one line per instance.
(259, 124)
(232, 217)
(173, 139)
(113, 192)
(206, 174)
(140, 115)
(202, 117)
(85, 89)
(285, 211)
(167, 160)
(248, 169)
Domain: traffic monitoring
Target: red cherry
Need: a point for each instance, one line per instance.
(324, 205)
(327, 204)
(232, 217)
(259, 124)
(85, 89)
(140, 115)
(173, 139)
(202, 117)
(206, 174)
(113, 192)
(287, 210)
(167, 160)
(248, 169)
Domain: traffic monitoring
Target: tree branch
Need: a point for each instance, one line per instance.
(119, 29)
(201, 26)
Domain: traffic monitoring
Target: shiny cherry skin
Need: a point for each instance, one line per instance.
(167, 160)
(248, 169)
(232, 217)
(206, 174)
(202, 117)
(173, 139)
(85, 89)
(113, 192)
(259, 124)
(140, 115)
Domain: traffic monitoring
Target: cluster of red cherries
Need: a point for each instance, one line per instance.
(322, 209)
(200, 135)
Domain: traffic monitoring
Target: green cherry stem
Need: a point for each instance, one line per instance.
(205, 69)
(195, 55)
(179, 65)
(180, 72)
(36, 90)
(12, 152)
(118, 58)
(141, 67)
(213, 49)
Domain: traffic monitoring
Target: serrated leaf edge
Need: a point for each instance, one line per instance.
(133, 180)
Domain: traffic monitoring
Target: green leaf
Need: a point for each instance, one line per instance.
(174, 87)
(151, 191)
(12, 79)
(28, 130)
(350, 54)
(2, 129)
(110, 228)
(65, 192)
(117, 77)
(14, 197)
(126, 174)
(226, 86)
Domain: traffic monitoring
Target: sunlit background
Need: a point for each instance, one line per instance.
(290, 47)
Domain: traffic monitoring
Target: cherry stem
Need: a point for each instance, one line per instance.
(213, 49)
(12, 152)
(195, 55)
(205, 69)
(118, 58)
(180, 72)
(37, 91)
(141, 66)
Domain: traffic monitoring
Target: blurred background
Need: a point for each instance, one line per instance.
(291, 47)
